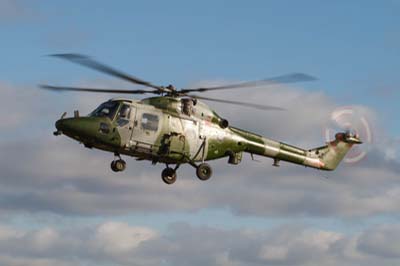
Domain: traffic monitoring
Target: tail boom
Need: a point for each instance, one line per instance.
(326, 157)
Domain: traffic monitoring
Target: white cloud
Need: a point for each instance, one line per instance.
(109, 241)
(115, 238)
(115, 243)
(44, 239)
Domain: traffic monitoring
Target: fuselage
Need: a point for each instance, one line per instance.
(177, 130)
(161, 129)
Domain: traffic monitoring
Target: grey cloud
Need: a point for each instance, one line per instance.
(25, 107)
(103, 244)
(382, 241)
(116, 243)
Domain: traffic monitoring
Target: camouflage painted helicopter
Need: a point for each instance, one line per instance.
(177, 128)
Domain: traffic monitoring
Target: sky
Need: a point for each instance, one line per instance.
(60, 204)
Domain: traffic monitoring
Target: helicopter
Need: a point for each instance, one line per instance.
(176, 127)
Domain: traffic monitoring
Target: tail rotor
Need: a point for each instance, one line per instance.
(354, 122)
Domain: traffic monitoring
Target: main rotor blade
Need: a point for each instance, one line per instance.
(252, 105)
(90, 63)
(59, 88)
(289, 78)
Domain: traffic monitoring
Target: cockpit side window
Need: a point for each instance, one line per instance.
(124, 115)
(125, 112)
(149, 122)
(107, 109)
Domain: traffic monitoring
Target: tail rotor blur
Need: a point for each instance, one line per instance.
(354, 122)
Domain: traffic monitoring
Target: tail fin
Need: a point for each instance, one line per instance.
(333, 153)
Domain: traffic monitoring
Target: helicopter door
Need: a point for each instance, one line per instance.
(147, 127)
(174, 142)
(125, 118)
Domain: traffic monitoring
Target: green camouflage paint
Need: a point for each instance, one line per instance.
(198, 136)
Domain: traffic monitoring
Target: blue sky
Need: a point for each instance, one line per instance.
(352, 47)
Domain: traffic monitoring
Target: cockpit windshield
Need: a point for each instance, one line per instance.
(107, 109)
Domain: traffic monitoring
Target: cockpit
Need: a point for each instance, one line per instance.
(107, 109)
(110, 108)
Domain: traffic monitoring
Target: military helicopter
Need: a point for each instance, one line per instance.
(176, 127)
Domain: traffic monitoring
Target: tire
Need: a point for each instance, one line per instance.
(168, 175)
(113, 167)
(120, 165)
(204, 171)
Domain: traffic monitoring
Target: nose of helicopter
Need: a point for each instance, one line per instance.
(67, 125)
(78, 127)
(59, 124)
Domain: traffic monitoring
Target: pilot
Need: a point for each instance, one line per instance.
(170, 87)
(187, 106)
(125, 111)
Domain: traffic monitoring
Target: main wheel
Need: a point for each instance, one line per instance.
(113, 168)
(118, 165)
(204, 171)
(168, 175)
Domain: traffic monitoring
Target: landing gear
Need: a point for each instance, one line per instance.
(118, 165)
(168, 175)
(204, 171)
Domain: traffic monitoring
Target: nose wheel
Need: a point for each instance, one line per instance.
(118, 165)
